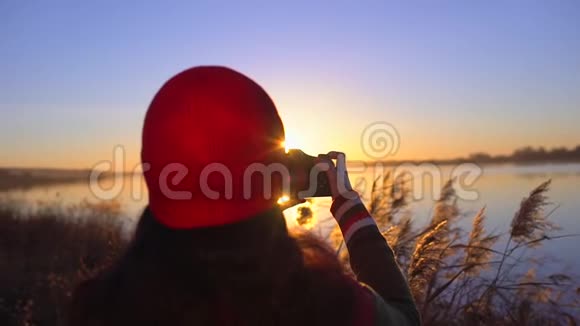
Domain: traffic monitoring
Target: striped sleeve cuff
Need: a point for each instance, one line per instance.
(351, 214)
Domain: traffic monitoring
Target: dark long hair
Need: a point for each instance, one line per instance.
(250, 273)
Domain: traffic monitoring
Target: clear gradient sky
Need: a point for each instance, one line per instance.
(453, 77)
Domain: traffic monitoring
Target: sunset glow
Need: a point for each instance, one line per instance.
(449, 87)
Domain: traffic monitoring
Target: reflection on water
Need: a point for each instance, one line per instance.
(500, 188)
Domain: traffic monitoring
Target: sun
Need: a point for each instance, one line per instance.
(283, 200)
(283, 144)
(291, 142)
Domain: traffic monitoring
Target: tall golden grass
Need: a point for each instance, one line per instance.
(460, 277)
(43, 256)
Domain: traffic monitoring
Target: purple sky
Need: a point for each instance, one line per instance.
(453, 77)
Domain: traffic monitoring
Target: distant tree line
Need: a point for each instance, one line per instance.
(531, 154)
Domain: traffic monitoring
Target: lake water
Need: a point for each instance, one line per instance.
(500, 188)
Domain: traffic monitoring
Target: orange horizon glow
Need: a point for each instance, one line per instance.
(412, 149)
(314, 126)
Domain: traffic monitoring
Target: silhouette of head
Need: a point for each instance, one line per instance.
(202, 131)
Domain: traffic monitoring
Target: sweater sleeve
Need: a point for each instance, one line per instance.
(371, 258)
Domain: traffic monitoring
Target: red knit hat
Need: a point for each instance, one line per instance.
(202, 130)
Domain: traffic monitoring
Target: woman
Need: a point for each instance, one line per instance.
(212, 247)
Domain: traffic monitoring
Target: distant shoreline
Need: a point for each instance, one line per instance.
(522, 156)
(462, 161)
(26, 178)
